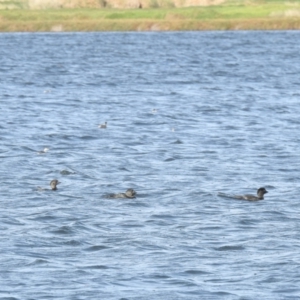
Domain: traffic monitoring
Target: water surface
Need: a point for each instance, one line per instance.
(189, 115)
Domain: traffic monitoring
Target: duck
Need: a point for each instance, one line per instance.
(53, 184)
(104, 126)
(260, 195)
(130, 193)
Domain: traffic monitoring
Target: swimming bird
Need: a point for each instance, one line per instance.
(104, 126)
(43, 151)
(130, 193)
(260, 195)
(53, 184)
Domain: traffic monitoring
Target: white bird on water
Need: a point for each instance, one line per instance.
(103, 125)
(43, 151)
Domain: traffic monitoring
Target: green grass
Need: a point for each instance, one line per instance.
(232, 14)
(229, 11)
(157, 14)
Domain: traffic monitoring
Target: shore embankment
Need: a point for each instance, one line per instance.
(256, 15)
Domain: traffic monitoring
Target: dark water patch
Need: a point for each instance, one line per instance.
(230, 248)
(38, 262)
(124, 169)
(162, 216)
(72, 243)
(196, 272)
(97, 267)
(170, 159)
(44, 218)
(64, 230)
(96, 248)
(290, 291)
(177, 142)
(89, 137)
(66, 172)
(249, 222)
(159, 276)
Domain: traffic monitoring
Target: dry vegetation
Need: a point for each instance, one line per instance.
(120, 4)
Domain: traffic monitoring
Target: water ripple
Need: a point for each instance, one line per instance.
(189, 115)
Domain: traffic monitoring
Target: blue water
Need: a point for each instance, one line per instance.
(189, 115)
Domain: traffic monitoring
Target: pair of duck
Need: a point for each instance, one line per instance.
(131, 193)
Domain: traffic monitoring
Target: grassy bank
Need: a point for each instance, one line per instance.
(269, 15)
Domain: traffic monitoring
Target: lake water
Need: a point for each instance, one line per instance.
(188, 115)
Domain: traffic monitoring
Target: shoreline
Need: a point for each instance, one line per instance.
(260, 17)
(144, 26)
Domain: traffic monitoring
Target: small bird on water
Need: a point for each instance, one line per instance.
(53, 184)
(260, 195)
(43, 151)
(104, 126)
(130, 193)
